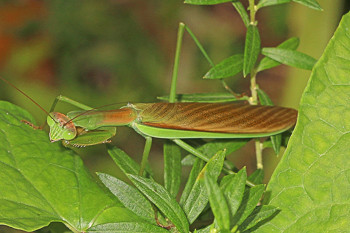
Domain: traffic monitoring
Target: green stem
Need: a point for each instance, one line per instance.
(253, 88)
(252, 10)
(258, 149)
(145, 155)
(180, 34)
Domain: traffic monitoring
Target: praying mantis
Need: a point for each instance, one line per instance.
(174, 121)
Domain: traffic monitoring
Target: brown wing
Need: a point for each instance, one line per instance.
(217, 117)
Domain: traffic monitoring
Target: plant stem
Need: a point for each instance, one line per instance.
(252, 10)
(253, 87)
(258, 149)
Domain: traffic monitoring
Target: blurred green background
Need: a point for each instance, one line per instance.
(102, 52)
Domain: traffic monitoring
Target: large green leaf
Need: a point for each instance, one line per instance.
(43, 182)
(311, 184)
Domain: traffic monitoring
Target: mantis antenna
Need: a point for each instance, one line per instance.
(12, 85)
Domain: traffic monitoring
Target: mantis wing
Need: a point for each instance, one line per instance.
(212, 120)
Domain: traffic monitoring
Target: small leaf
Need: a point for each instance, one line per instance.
(268, 63)
(124, 161)
(130, 197)
(264, 3)
(276, 141)
(257, 176)
(251, 49)
(250, 200)
(233, 188)
(197, 167)
(241, 11)
(313, 4)
(259, 214)
(161, 198)
(217, 203)
(206, 2)
(211, 148)
(127, 227)
(264, 99)
(172, 167)
(226, 68)
(202, 97)
(198, 197)
(290, 57)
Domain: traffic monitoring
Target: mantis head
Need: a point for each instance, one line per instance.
(61, 127)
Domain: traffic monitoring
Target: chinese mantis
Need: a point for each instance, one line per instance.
(173, 121)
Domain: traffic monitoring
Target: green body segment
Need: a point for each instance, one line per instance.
(91, 120)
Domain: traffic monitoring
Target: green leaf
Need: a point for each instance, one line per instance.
(233, 187)
(127, 227)
(264, 99)
(276, 140)
(161, 198)
(313, 4)
(310, 184)
(257, 176)
(172, 167)
(198, 197)
(250, 200)
(264, 3)
(42, 182)
(251, 49)
(205, 2)
(130, 197)
(241, 11)
(202, 97)
(217, 203)
(268, 63)
(226, 68)
(259, 214)
(290, 57)
(197, 167)
(124, 161)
